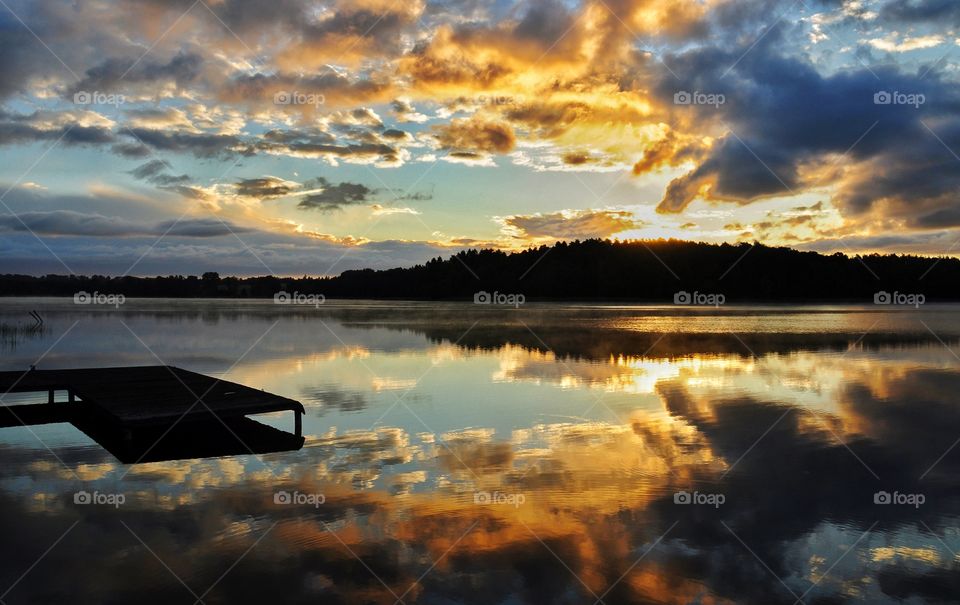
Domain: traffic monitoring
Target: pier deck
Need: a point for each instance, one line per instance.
(125, 406)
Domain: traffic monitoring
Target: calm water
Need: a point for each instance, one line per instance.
(469, 454)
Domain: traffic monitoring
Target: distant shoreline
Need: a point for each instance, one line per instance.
(537, 302)
(591, 271)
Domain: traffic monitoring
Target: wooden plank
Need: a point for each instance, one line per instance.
(150, 395)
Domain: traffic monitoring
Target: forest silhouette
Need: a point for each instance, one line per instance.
(593, 269)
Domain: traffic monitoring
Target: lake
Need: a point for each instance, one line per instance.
(460, 453)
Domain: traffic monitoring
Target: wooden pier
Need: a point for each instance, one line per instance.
(149, 413)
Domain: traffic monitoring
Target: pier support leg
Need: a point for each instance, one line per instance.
(70, 397)
(297, 423)
(50, 394)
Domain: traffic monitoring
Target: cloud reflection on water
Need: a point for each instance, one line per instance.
(597, 445)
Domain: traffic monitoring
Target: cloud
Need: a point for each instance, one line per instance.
(875, 155)
(475, 135)
(314, 143)
(283, 92)
(469, 158)
(394, 134)
(405, 112)
(414, 196)
(267, 187)
(201, 145)
(157, 118)
(68, 222)
(155, 171)
(150, 169)
(379, 210)
(568, 224)
(893, 44)
(115, 75)
(921, 11)
(333, 197)
(24, 59)
(361, 116)
(292, 253)
(576, 158)
(558, 86)
(68, 127)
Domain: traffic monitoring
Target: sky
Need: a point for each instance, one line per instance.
(292, 137)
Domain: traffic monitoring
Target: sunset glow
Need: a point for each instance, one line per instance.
(149, 137)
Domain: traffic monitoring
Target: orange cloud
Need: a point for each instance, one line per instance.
(476, 135)
(568, 224)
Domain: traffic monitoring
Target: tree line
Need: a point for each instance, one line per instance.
(654, 271)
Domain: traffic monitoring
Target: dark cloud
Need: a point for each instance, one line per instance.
(253, 16)
(394, 134)
(468, 155)
(68, 222)
(358, 143)
(328, 89)
(131, 150)
(25, 59)
(312, 136)
(334, 197)
(920, 11)
(788, 124)
(267, 187)
(359, 151)
(155, 171)
(415, 196)
(187, 191)
(29, 128)
(576, 158)
(476, 136)
(815, 477)
(201, 145)
(546, 21)
(20, 59)
(208, 227)
(150, 169)
(114, 75)
(314, 142)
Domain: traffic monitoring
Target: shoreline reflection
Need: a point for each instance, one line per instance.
(420, 448)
